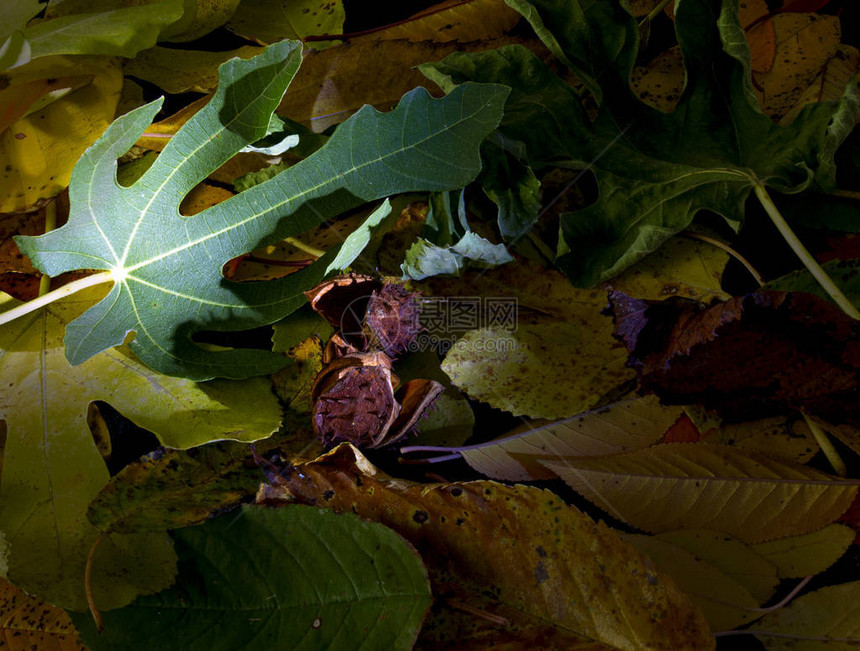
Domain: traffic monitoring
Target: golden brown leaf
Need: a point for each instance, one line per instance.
(520, 544)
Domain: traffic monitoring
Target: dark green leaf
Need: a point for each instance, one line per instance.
(293, 578)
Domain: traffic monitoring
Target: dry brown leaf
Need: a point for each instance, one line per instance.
(704, 486)
(522, 545)
(830, 84)
(28, 623)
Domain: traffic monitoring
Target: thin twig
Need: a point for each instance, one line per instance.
(88, 584)
(61, 292)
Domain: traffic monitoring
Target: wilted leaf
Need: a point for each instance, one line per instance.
(53, 469)
(724, 602)
(539, 556)
(704, 486)
(292, 578)
(619, 427)
(168, 280)
(825, 620)
(811, 553)
(41, 149)
(192, 70)
(425, 259)
(751, 356)
(28, 623)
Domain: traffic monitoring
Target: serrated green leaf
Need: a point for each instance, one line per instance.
(291, 578)
(167, 268)
(654, 171)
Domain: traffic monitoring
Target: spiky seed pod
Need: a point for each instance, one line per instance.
(392, 319)
(354, 401)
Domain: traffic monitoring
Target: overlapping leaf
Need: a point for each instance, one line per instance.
(517, 456)
(549, 564)
(52, 467)
(654, 171)
(167, 269)
(704, 486)
(27, 622)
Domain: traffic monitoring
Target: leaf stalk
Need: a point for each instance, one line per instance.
(805, 256)
(61, 292)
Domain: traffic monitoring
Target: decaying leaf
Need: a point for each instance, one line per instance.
(747, 495)
(27, 623)
(170, 489)
(532, 552)
(269, 21)
(748, 357)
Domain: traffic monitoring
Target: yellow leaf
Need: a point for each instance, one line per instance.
(732, 557)
(185, 70)
(28, 623)
(798, 556)
(825, 620)
(724, 602)
(660, 83)
(787, 437)
(547, 367)
(18, 100)
(619, 427)
(521, 544)
(455, 20)
(269, 21)
(704, 486)
(53, 469)
(40, 150)
(680, 267)
(335, 82)
(805, 44)
(830, 84)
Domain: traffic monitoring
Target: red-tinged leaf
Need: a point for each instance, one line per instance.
(851, 517)
(683, 431)
(748, 357)
(803, 6)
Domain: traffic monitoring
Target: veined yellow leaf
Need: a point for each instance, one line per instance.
(704, 486)
(811, 553)
(620, 427)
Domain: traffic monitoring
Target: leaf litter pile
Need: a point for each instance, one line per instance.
(524, 324)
